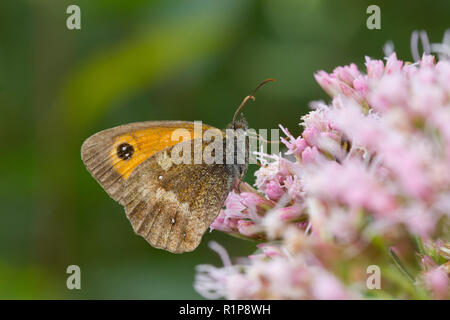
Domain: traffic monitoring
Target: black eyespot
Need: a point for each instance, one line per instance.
(125, 151)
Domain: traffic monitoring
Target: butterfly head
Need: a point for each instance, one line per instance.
(239, 124)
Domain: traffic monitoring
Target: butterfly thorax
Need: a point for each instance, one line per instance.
(237, 147)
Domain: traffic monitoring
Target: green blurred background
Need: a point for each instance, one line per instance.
(151, 60)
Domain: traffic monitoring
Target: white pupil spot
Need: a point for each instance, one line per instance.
(184, 235)
(173, 220)
(160, 177)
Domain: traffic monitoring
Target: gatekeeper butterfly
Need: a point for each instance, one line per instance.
(168, 203)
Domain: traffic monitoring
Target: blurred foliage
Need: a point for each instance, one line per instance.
(150, 60)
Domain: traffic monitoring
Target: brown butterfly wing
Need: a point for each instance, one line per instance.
(99, 152)
(172, 205)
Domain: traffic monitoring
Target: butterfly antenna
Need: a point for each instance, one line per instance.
(250, 97)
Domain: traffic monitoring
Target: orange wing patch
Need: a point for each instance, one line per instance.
(146, 142)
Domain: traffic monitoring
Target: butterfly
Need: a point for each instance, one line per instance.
(170, 204)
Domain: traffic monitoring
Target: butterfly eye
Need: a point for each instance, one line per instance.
(125, 151)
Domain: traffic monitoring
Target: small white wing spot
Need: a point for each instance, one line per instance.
(173, 221)
(160, 177)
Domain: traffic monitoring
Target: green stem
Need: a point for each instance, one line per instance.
(399, 265)
(419, 245)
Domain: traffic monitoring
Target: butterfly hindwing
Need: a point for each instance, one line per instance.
(171, 205)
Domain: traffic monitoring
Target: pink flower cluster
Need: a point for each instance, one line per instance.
(370, 171)
(273, 274)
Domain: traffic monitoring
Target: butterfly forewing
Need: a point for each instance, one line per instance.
(111, 155)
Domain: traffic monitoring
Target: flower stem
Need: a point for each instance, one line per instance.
(419, 244)
(399, 265)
